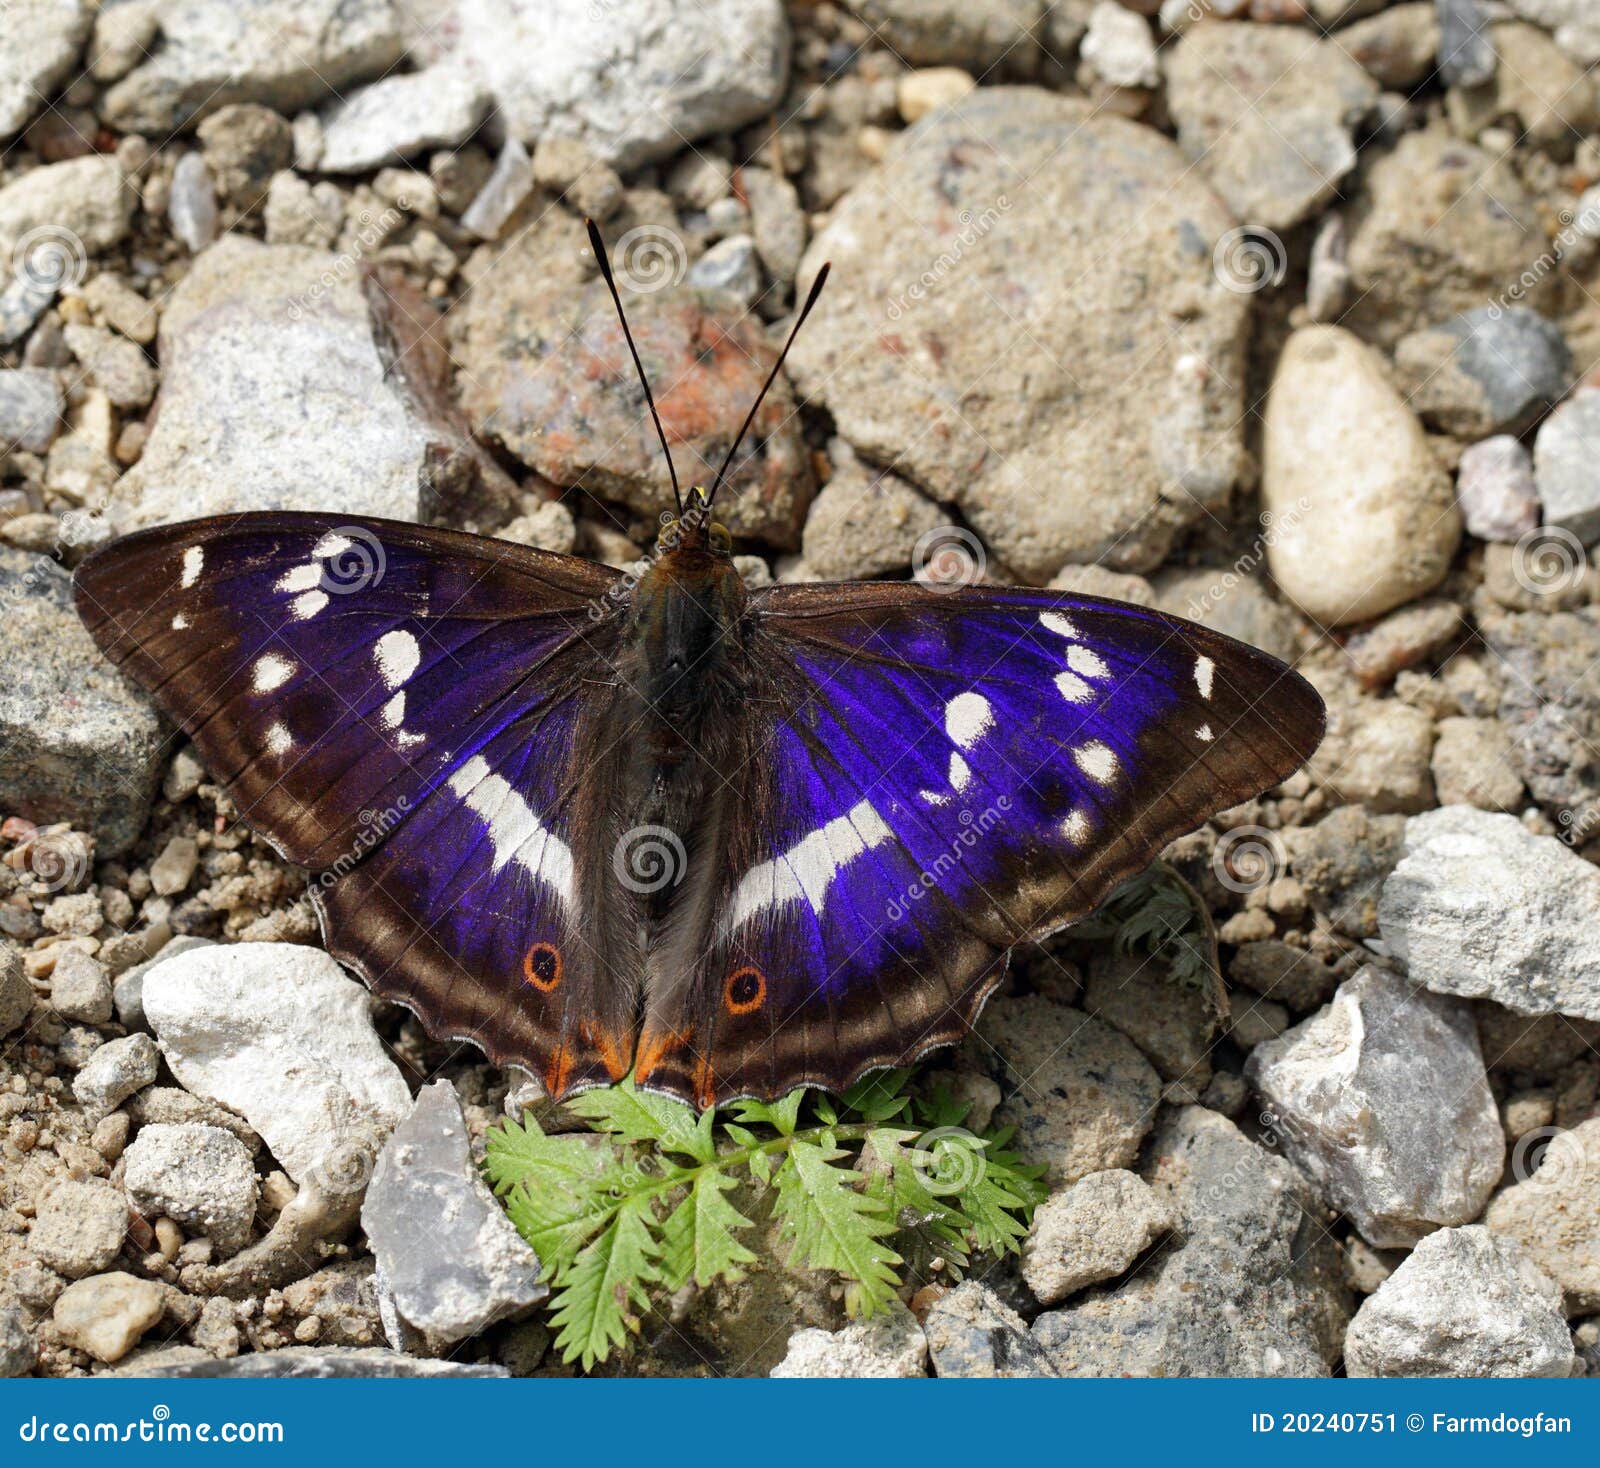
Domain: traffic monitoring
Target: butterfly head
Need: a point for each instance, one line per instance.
(694, 530)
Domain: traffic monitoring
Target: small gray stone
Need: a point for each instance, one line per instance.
(864, 523)
(106, 1314)
(43, 39)
(118, 367)
(1473, 764)
(1381, 1099)
(284, 54)
(777, 221)
(1491, 370)
(1565, 456)
(30, 409)
(1464, 1303)
(1575, 23)
(888, 1345)
(16, 993)
(51, 218)
(1397, 46)
(1496, 490)
(1119, 46)
(19, 1352)
(245, 147)
(1481, 907)
(201, 1177)
(1267, 113)
(634, 80)
(1466, 51)
(731, 265)
(298, 1363)
(80, 988)
(127, 992)
(1551, 1211)
(173, 868)
(393, 120)
(80, 1227)
(973, 33)
(114, 1072)
(450, 1263)
(972, 1333)
(1377, 754)
(192, 204)
(1233, 602)
(1091, 1231)
(1253, 1285)
(502, 193)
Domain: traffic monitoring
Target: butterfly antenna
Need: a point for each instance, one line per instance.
(598, 245)
(794, 331)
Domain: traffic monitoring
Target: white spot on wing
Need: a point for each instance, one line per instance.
(1059, 623)
(805, 871)
(1076, 828)
(398, 656)
(1072, 688)
(194, 560)
(1085, 662)
(179, 622)
(393, 713)
(331, 544)
(1204, 671)
(271, 671)
(1203, 734)
(515, 831)
(1098, 761)
(967, 718)
(301, 578)
(279, 740)
(308, 604)
(960, 773)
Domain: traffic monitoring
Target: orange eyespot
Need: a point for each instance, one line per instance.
(541, 965)
(746, 990)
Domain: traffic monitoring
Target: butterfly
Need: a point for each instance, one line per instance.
(654, 824)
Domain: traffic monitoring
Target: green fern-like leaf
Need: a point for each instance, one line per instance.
(700, 1237)
(606, 1283)
(833, 1222)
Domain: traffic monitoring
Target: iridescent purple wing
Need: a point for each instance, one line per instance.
(929, 779)
(394, 707)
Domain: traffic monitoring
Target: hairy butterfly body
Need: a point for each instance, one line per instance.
(725, 841)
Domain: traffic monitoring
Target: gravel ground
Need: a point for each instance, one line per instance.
(1279, 314)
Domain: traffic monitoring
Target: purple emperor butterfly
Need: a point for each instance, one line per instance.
(725, 841)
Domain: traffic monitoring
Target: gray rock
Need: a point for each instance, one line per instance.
(280, 1034)
(864, 523)
(1365, 517)
(1140, 435)
(1441, 227)
(30, 409)
(298, 1363)
(1550, 705)
(732, 265)
(245, 146)
(1548, 97)
(80, 988)
(1466, 51)
(1119, 47)
(1550, 1211)
(200, 1177)
(19, 1352)
(278, 393)
(1575, 23)
(52, 218)
(106, 1314)
(77, 741)
(284, 54)
(971, 1332)
(1565, 455)
(1173, 1024)
(1267, 114)
(1382, 1101)
(1486, 371)
(1474, 764)
(1232, 602)
(450, 1263)
(1377, 754)
(1081, 1095)
(114, 1072)
(1496, 490)
(1464, 1303)
(192, 204)
(1091, 1231)
(888, 1345)
(16, 993)
(127, 993)
(393, 120)
(118, 367)
(28, 297)
(634, 80)
(1481, 907)
(43, 39)
(79, 1228)
(776, 220)
(1397, 46)
(1253, 1287)
(510, 182)
(972, 33)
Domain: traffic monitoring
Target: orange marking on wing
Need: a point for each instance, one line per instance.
(610, 1051)
(746, 990)
(541, 966)
(653, 1045)
(558, 1072)
(705, 1083)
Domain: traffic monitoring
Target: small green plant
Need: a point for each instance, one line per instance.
(644, 1202)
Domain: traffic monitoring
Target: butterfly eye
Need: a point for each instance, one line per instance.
(721, 540)
(745, 991)
(541, 965)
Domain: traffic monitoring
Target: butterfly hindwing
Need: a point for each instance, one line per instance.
(939, 776)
